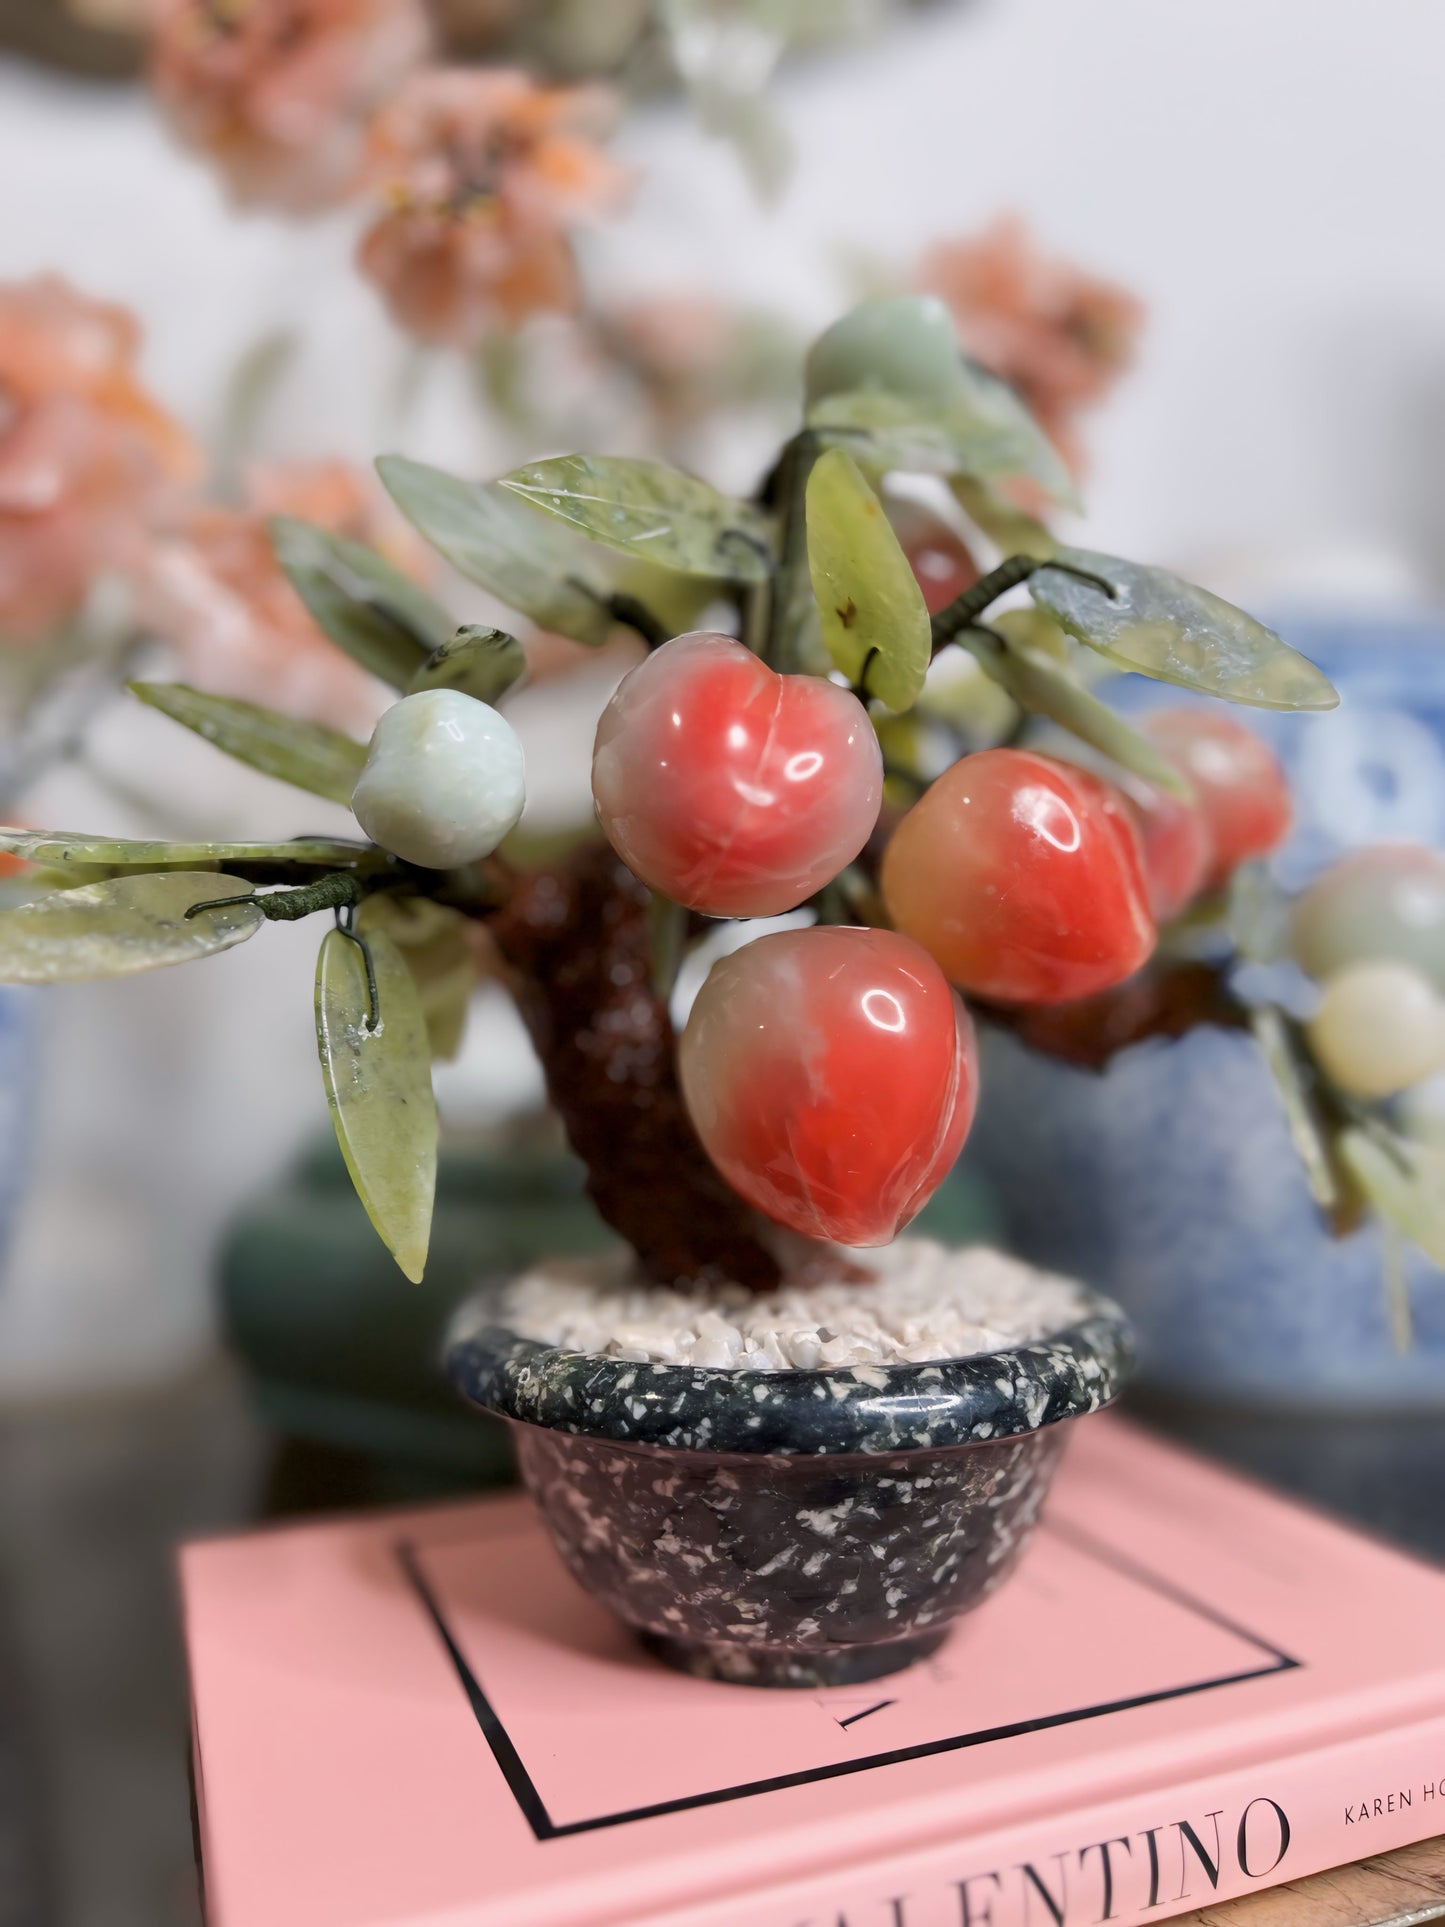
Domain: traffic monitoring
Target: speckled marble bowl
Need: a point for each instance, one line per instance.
(790, 1528)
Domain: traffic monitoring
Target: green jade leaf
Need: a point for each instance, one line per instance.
(967, 701)
(249, 392)
(980, 431)
(545, 569)
(376, 614)
(378, 1085)
(493, 539)
(60, 849)
(304, 754)
(989, 407)
(433, 941)
(1292, 1077)
(871, 610)
(478, 661)
(1161, 626)
(650, 510)
(1011, 529)
(1405, 1181)
(123, 926)
(1034, 629)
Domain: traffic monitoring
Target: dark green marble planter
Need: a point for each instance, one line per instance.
(790, 1528)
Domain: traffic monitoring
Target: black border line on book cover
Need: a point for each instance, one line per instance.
(544, 1827)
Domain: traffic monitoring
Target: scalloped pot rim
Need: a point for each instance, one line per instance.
(872, 1408)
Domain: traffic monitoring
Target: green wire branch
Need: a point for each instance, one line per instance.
(635, 614)
(965, 610)
(338, 890)
(860, 687)
(630, 610)
(341, 891)
(346, 924)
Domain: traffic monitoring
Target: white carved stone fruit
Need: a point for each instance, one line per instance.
(1379, 1029)
(443, 781)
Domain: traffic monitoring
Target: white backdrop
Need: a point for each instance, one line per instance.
(1266, 173)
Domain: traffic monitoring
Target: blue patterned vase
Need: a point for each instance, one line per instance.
(1170, 1181)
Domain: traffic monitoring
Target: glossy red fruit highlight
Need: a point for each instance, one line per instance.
(831, 1074)
(1237, 782)
(731, 789)
(1023, 878)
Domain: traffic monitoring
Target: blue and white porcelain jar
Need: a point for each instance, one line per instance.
(1170, 1181)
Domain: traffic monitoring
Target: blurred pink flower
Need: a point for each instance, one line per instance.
(219, 597)
(278, 93)
(481, 174)
(679, 348)
(1058, 335)
(676, 337)
(86, 455)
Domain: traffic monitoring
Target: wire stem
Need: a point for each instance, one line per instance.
(634, 614)
(346, 924)
(964, 611)
(339, 889)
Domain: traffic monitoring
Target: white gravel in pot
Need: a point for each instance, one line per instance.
(923, 1301)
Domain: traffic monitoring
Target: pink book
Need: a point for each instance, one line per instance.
(1190, 1688)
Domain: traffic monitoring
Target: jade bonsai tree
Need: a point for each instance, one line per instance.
(986, 826)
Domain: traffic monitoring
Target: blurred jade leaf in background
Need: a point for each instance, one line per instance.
(371, 610)
(308, 755)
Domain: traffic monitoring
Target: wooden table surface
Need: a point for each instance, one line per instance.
(1393, 1890)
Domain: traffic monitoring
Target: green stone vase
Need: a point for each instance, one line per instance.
(343, 1356)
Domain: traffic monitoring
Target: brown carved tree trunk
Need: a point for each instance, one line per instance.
(577, 942)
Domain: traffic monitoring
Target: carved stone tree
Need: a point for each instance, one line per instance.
(822, 591)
